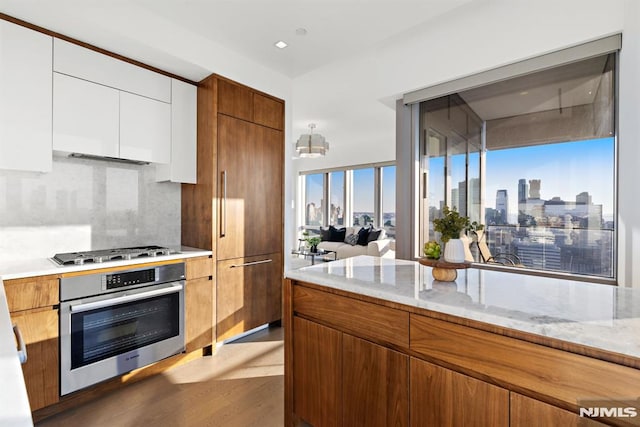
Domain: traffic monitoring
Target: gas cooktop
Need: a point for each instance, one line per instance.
(105, 255)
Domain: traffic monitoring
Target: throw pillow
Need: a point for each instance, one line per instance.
(374, 235)
(363, 235)
(337, 234)
(324, 234)
(351, 239)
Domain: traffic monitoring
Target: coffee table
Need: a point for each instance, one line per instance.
(313, 255)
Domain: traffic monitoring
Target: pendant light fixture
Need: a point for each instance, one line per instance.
(311, 144)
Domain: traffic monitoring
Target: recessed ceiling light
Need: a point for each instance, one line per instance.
(280, 44)
(301, 32)
(524, 92)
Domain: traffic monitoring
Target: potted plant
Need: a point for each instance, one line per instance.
(450, 226)
(313, 243)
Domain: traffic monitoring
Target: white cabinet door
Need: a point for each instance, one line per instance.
(87, 64)
(145, 129)
(183, 164)
(85, 117)
(25, 99)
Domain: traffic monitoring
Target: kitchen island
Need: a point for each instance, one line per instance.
(374, 340)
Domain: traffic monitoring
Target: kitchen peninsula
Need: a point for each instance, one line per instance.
(379, 342)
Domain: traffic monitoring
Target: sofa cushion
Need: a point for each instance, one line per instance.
(363, 236)
(337, 234)
(324, 234)
(374, 234)
(352, 239)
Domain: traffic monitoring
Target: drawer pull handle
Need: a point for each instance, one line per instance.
(22, 351)
(249, 264)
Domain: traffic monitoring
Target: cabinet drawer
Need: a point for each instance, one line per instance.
(32, 292)
(87, 64)
(365, 320)
(521, 366)
(199, 267)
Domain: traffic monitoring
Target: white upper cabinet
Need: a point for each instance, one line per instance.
(25, 99)
(93, 66)
(145, 129)
(85, 117)
(183, 164)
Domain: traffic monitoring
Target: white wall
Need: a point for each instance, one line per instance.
(479, 36)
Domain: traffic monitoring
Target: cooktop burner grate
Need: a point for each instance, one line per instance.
(105, 255)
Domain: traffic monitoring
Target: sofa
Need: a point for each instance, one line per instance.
(368, 241)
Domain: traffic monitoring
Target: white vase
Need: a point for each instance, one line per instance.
(454, 251)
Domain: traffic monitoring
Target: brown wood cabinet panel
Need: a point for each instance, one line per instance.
(235, 100)
(375, 384)
(32, 292)
(371, 321)
(198, 267)
(551, 375)
(39, 330)
(268, 112)
(317, 391)
(250, 165)
(527, 412)
(441, 397)
(198, 201)
(249, 293)
(199, 297)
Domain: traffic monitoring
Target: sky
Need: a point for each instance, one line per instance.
(565, 170)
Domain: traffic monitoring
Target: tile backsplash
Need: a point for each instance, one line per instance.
(85, 205)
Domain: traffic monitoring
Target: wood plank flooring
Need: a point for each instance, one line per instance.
(241, 385)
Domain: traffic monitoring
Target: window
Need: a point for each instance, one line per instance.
(336, 196)
(358, 196)
(363, 197)
(533, 158)
(314, 199)
(388, 202)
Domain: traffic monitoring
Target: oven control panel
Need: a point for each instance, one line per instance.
(119, 280)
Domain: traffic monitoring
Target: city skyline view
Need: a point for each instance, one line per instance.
(552, 164)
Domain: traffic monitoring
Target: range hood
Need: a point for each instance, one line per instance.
(107, 159)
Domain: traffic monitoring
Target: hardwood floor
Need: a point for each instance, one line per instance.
(241, 385)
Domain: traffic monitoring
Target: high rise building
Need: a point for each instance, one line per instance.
(534, 188)
(523, 190)
(502, 206)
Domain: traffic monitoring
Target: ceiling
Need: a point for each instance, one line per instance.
(143, 29)
(565, 86)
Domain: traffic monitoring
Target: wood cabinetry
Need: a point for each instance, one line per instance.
(25, 104)
(338, 371)
(442, 397)
(31, 306)
(341, 380)
(527, 412)
(248, 293)
(199, 303)
(236, 207)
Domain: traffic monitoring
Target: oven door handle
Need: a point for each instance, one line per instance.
(126, 298)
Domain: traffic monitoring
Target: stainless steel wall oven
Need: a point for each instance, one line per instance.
(114, 322)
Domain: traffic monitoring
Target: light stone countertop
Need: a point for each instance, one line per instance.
(595, 315)
(46, 266)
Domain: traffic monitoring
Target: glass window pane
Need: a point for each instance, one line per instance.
(314, 190)
(363, 200)
(546, 141)
(389, 200)
(336, 195)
